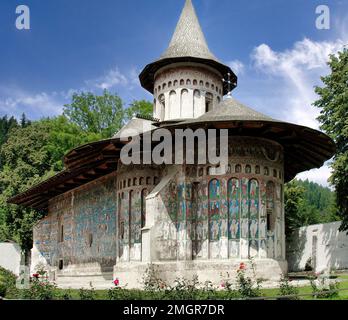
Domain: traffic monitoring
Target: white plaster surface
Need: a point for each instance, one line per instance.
(330, 253)
(10, 257)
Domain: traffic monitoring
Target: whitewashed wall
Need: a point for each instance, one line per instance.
(331, 248)
(10, 257)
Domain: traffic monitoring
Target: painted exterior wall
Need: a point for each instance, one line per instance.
(170, 214)
(79, 230)
(10, 257)
(200, 215)
(322, 245)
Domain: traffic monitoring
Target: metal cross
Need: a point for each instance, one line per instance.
(229, 85)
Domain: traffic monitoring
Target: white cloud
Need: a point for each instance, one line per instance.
(320, 176)
(299, 70)
(236, 66)
(110, 79)
(14, 101)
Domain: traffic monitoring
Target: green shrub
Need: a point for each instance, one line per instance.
(66, 295)
(248, 287)
(3, 290)
(87, 294)
(40, 290)
(286, 289)
(7, 284)
(323, 288)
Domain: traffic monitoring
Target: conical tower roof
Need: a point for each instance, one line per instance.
(188, 44)
(188, 39)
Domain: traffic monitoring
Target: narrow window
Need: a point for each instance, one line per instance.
(214, 210)
(61, 234)
(238, 168)
(208, 102)
(143, 207)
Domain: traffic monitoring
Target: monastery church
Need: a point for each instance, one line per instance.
(106, 220)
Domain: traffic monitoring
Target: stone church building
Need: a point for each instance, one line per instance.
(106, 219)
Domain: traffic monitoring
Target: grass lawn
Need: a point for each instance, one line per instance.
(103, 294)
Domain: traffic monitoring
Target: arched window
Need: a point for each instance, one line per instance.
(270, 196)
(195, 82)
(275, 173)
(130, 218)
(148, 180)
(120, 219)
(172, 102)
(162, 102)
(254, 196)
(169, 84)
(201, 83)
(207, 84)
(141, 181)
(196, 103)
(266, 171)
(188, 82)
(129, 183)
(176, 82)
(185, 102)
(238, 168)
(182, 82)
(248, 169)
(214, 210)
(164, 86)
(208, 102)
(233, 209)
(143, 207)
(257, 170)
(135, 181)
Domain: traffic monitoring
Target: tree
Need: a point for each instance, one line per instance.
(33, 151)
(25, 163)
(141, 107)
(333, 103)
(96, 114)
(308, 203)
(63, 137)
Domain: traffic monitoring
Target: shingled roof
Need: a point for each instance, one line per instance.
(188, 44)
(304, 148)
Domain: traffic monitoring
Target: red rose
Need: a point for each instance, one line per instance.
(116, 282)
(242, 266)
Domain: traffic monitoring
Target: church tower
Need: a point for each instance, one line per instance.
(187, 81)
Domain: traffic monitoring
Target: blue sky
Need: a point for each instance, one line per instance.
(273, 45)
